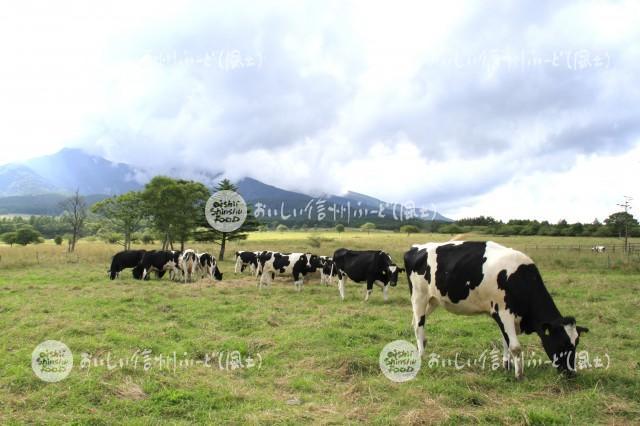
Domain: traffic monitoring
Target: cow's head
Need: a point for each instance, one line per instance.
(216, 272)
(393, 272)
(314, 262)
(560, 340)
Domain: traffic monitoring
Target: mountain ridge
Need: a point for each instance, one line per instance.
(35, 186)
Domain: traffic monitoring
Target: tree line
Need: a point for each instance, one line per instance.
(169, 211)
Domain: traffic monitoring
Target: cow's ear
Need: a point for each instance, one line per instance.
(401, 269)
(581, 330)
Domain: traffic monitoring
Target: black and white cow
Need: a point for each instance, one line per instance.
(246, 258)
(294, 264)
(370, 266)
(328, 270)
(207, 266)
(124, 259)
(159, 261)
(188, 264)
(598, 249)
(487, 278)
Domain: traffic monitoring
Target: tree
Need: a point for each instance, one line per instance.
(339, 228)
(9, 238)
(207, 233)
(620, 223)
(123, 213)
(75, 214)
(368, 226)
(409, 229)
(175, 207)
(27, 235)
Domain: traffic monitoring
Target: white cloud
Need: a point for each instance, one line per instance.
(446, 104)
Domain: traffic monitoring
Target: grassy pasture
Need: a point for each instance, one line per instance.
(319, 357)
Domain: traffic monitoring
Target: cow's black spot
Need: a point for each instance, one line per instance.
(422, 320)
(527, 297)
(459, 268)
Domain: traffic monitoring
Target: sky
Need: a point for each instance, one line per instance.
(509, 109)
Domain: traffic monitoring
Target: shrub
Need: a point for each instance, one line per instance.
(409, 229)
(27, 235)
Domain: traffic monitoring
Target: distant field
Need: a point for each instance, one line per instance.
(319, 356)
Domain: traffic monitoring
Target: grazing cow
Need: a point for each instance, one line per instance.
(295, 264)
(208, 267)
(244, 259)
(370, 266)
(598, 249)
(159, 261)
(486, 278)
(188, 264)
(124, 259)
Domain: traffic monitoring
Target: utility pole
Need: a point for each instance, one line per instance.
(626, 204)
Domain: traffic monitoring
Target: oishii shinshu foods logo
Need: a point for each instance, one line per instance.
(226, 211)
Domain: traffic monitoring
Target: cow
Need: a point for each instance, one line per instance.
(327, 271)
(598, 249)
(188, 263)
(295, 264)
(159, 261)
(483, 277)
(370, 266)
(124, 259)
(244, 259)
(207, 266)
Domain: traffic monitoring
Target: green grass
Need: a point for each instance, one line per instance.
(319, 356)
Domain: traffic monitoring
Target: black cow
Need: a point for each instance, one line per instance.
(159, 261)
(296, 264)
(124, 259)
(486, 278)
(370, 266)
(246, 258)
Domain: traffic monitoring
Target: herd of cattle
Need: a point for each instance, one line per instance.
(464, 277)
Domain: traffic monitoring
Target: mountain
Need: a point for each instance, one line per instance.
(279, 204)
(71, 169)
(16, 179)
(38, 185)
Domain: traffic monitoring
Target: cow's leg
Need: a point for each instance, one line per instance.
(238, 265)
(369, 290)
(507, 324)
(297, 281)
(506, 356)
(341, 279)
(384, 292)
(420, 306)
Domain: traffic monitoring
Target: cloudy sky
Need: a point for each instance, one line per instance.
(510, 109)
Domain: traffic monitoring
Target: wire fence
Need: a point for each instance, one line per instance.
(604, 248)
